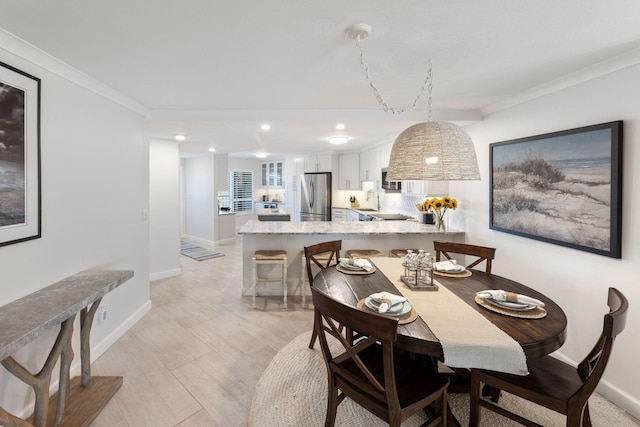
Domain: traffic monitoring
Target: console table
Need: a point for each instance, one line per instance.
(77, 401)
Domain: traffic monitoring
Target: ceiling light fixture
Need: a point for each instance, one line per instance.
(265, 127)
(340, 126)
(261, 155)
(211, 150)
(428, 151)
(338, 140)
(180, 137)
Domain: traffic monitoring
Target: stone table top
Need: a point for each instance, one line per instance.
(340, 227)
(25, 319)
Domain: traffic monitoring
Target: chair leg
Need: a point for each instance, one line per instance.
(303, 294)
(332, 403)
(586, 418)
(314, 337)
(284, 281)
(255, 282)
(474, 400)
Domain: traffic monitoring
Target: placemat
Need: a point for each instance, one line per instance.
(341, 269)
(465, 273)
(535, 313)
(402, 320)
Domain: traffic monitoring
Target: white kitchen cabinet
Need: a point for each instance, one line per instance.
(272, 174)
(339, 214)
(371, 164)
(413, 188)
(319, 163)
(426, 188)
(349, 172)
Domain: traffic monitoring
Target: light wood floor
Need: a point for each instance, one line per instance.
(195, 358)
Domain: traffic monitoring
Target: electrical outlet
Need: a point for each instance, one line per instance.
(102, 314)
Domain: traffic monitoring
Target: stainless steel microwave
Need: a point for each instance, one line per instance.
(390, 186)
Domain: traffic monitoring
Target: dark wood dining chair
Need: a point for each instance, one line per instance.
(390, 384)
(321, 255)
(482, 253)
(552, 383)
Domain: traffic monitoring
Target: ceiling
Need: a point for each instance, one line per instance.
(216, 70)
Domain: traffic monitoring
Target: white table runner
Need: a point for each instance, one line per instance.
(468, 339)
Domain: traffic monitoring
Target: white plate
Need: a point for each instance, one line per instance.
(350, 266)
(516, 306)
(399, 309)
(458, 269)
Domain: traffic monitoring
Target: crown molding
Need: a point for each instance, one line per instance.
(617, 63)
(30, 53)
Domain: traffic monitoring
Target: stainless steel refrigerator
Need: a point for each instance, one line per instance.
(315, 196)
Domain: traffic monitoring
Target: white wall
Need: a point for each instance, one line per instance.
(164, 210)
(576, 280)
(199, 202)
(94, 189)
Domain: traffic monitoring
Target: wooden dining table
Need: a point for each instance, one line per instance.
(537, 337)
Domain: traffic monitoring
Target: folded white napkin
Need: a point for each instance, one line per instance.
(357, 262)
(447, 265)
(500, 295)
(386, 300)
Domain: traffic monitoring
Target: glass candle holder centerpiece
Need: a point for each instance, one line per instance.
(418, 271)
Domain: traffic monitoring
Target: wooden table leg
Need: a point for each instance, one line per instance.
(42, 380)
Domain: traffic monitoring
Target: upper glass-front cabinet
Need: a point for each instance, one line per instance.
(272, 174)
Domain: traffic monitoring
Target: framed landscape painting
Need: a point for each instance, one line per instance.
(19, 156)
(563, 188)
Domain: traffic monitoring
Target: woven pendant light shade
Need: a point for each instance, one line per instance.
(433, 151)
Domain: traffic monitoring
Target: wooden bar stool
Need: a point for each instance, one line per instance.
(364, 253)
(401, 253)
(269, 258)
(304, 275)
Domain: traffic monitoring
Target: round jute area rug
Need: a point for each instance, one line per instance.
(292, 392)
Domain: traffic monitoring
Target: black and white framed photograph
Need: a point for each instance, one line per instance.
(19, 156)
(562, 187)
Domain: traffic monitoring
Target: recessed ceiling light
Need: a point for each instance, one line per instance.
(212, 149)
(265, 126)
(180, 137)
(261, 155)
(340, 126)
(337, 140)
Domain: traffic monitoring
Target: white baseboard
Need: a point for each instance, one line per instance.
(165, 274)
(208, 243)
(98, 349)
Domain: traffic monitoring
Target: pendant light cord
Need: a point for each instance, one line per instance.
(427, 85)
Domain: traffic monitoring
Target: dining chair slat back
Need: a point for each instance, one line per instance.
(322, 255)
(482, 253)
(552, 383)
(391, 384)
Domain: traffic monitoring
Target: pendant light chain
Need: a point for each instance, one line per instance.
(427, 85)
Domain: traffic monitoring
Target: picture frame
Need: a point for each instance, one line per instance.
(20, 192)
(562, 187)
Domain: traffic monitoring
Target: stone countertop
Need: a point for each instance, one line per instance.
(343, 227)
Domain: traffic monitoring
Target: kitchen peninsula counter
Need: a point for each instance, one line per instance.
(294, 236)
(344, 227)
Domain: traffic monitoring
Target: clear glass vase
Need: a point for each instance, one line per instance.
(440, 224)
